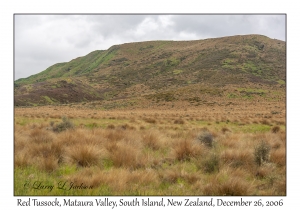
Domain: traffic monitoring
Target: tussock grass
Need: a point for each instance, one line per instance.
(49, 163)
(153, 140)
(179, 121)
(238, 158)
(275, 129)
(38, 135)
(83, 156)
(280, 187)
(265, 122)
(126, 127)
(57, 150)
(224, 130)
(230, 140)
(232, 187)
(89, 176)
(116, 179)
(278, 156)
(20, 142)
(115, 135)
(262, 172)
(126, 155)
(228, 183)
(111, 126)
(21, 160)
(185, 149)
(150, 120)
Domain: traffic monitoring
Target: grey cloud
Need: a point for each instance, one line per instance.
(43, 40)
(226, 25)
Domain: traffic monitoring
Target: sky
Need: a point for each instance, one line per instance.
(44, 40)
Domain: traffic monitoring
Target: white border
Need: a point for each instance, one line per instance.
(8, 8)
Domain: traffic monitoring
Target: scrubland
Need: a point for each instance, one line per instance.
(232, 150)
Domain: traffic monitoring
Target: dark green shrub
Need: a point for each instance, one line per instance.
(64, 125)
(261, 153)
(206, 138)
(211, 163)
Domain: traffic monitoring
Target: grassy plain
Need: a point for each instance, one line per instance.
(233, 149)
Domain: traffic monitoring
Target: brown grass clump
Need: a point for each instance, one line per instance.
(132, 120)
(110, 146)
(179, 121)
(49, 164)
(275, 129)
(150, 120)
(79, 136)
(126, 127)
(274, 141)
(265, 122)
(144, 177)
(237, 158)
(38, 135)
(230, 140)
(84, 156)
(280, 187)
(192, 178)
(152, 140)
(176, 175)
(40, 150)
(118, 180)
(170, 176)
(280, 123)
(88, 176)
(21, 159)
(233, 186)
(111, 126)
(185, 149)
(282, 136)
(57, 150)
(20, 142)
(68, 138)
(125, 155)
(278, 156)
(115, 135)
(262, 172)
(224, 130)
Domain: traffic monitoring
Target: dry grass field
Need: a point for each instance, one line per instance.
(221, 150)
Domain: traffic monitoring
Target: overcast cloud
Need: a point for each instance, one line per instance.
(43, 40)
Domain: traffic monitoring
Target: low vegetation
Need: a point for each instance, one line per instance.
(148, 152)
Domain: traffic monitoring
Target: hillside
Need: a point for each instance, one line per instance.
(244, 67)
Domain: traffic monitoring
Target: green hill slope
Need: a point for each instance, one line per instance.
(146, 68)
